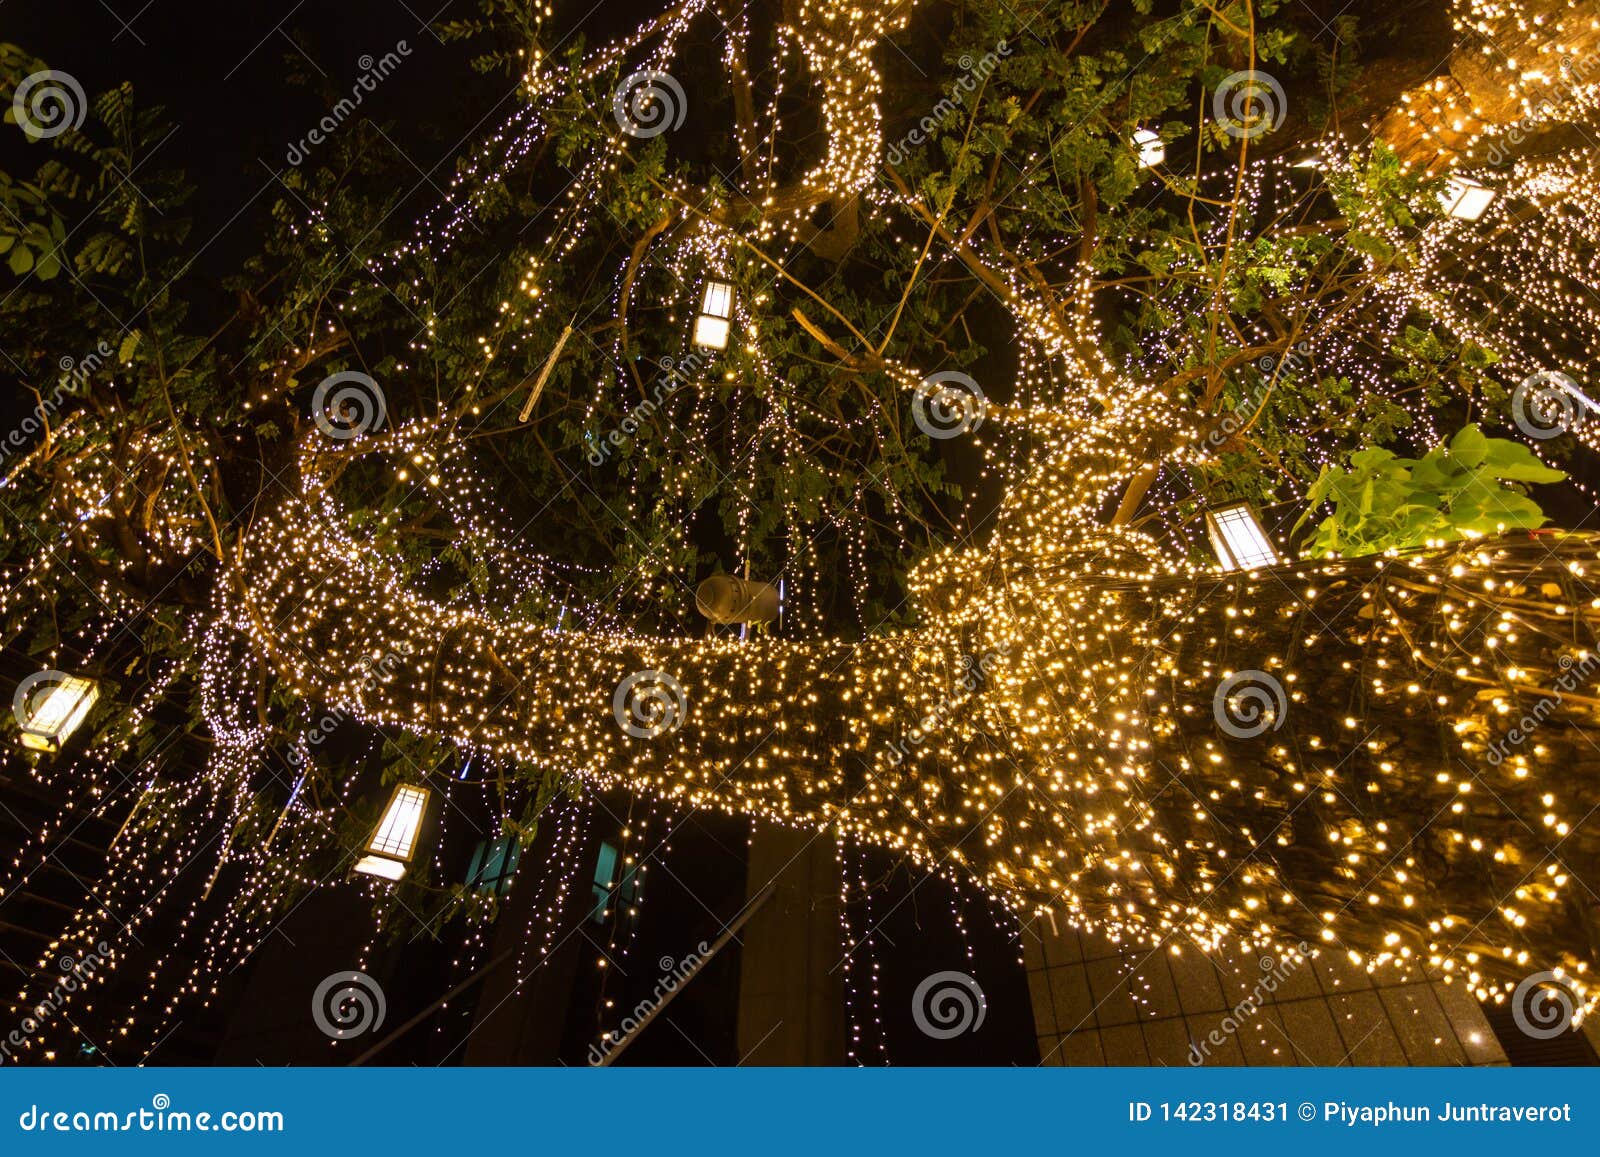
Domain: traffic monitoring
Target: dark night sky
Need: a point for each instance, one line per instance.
(222, 71)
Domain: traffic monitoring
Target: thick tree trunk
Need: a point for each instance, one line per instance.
(1077, 727)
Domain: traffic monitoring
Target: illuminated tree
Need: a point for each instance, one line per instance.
(459, 487)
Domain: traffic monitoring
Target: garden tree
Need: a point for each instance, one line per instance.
(989, 359)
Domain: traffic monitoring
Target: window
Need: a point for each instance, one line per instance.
(626, 890)
(494, 863)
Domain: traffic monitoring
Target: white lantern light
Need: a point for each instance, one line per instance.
(48, 718)
(1465, 198)
(1238, 539)
(1152, 150)
(394, 841)
(715, 318)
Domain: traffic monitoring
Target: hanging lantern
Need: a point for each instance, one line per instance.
(48, 717)
(715, 318)
(726, 598)
(1151, 148)
(1237, 537)
(394, 841)
(1466, 199)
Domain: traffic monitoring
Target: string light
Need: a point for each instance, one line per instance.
(1086, 778)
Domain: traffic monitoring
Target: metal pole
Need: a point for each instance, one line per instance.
(728, 934)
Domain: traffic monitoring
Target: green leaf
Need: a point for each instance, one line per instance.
(1469, 447)
(1514, 462)
(1371, 458)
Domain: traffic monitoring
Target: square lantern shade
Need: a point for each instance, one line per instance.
(1467, 199)
(1152, 150)
(1238, 539)
(394, 841)
(715, 318)
(55, 714)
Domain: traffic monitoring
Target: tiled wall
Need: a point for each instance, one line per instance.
(1094, 1004)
